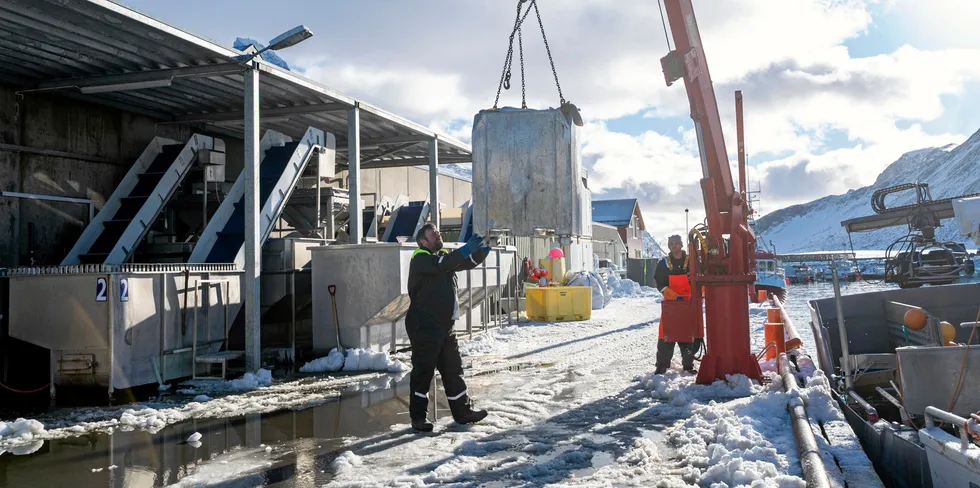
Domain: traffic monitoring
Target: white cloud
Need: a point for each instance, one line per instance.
(803, 90)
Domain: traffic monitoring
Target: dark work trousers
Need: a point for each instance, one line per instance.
(434, 347)
(665, 350)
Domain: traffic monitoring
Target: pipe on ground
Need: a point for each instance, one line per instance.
(793, 340)
(814, 471)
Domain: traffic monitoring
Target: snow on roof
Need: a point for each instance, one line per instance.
(613, 212)
(242, 43)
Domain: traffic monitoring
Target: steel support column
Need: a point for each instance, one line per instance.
(253, 251)
(354, 173)
(434, 180)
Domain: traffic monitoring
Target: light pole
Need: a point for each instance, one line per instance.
(687, 227)
(253, 257)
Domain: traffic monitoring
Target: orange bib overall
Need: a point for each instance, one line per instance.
(677, 324)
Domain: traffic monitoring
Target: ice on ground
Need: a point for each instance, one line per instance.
(293, 395)
(493, 341)
(194, 437)
(202, 398)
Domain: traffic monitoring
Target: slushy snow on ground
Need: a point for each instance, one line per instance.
(570, 403)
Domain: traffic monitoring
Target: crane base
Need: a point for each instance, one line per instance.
(713, 368)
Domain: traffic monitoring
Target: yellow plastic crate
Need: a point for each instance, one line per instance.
(558, 303)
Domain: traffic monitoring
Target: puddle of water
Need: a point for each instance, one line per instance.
(285, 448)
(599, 459)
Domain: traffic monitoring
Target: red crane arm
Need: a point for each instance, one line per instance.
(724, 206)
(721, 264)
(687, 61)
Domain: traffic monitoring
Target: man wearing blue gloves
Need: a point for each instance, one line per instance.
(432, 313)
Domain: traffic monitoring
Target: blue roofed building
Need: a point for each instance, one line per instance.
(623, 214)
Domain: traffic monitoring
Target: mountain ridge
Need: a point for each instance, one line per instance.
(950, 171)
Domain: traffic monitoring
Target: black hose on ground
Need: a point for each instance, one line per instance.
(814, 471)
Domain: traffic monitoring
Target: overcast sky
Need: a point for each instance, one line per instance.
(834, 90)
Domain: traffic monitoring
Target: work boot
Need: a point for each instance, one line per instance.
(463, 412)
(690, 369)
(660, 371)
(421, 426)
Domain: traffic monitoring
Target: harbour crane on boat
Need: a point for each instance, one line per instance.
(918, 258)
(722, 249)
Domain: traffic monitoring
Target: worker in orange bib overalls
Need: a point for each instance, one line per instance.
(672, 281)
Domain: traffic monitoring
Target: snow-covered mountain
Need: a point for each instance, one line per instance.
(815, 226)
(651, 248)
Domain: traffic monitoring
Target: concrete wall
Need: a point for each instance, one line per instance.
(57, 123)
(413, 182)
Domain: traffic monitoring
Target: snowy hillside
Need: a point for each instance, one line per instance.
(815, 226)
(651, 248)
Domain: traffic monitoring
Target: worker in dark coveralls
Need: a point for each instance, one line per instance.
(434, 310)
(672, 280)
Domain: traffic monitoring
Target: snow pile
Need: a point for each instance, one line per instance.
(22, 436)
(354, 360)
(344, 462)
(366, 360)
(251, 381)
(333, 361)
(626, 288)
(740, 442)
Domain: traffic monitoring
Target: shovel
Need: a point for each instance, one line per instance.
(332, 289)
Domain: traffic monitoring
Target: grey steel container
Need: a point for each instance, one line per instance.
(929, 376)
(527, 174)
(125, 326)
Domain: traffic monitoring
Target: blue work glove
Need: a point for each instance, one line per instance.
(474, 243)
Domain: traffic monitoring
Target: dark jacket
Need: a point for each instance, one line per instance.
(432, 285)
(669, 266)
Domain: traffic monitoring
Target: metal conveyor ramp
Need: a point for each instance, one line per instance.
(283, 162)
(406, 220)
(126, 217)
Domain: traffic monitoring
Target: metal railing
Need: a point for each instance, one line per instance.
(962, 428)
(117, 268)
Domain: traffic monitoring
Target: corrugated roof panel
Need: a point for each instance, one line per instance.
(60, 43)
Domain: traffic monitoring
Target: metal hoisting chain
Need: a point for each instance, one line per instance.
(505, 76)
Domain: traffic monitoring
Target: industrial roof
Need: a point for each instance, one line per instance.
(615, 212)
(80, 48)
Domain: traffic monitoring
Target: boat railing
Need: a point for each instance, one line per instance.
(963, 427)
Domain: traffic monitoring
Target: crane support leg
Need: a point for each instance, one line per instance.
(728, 345)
